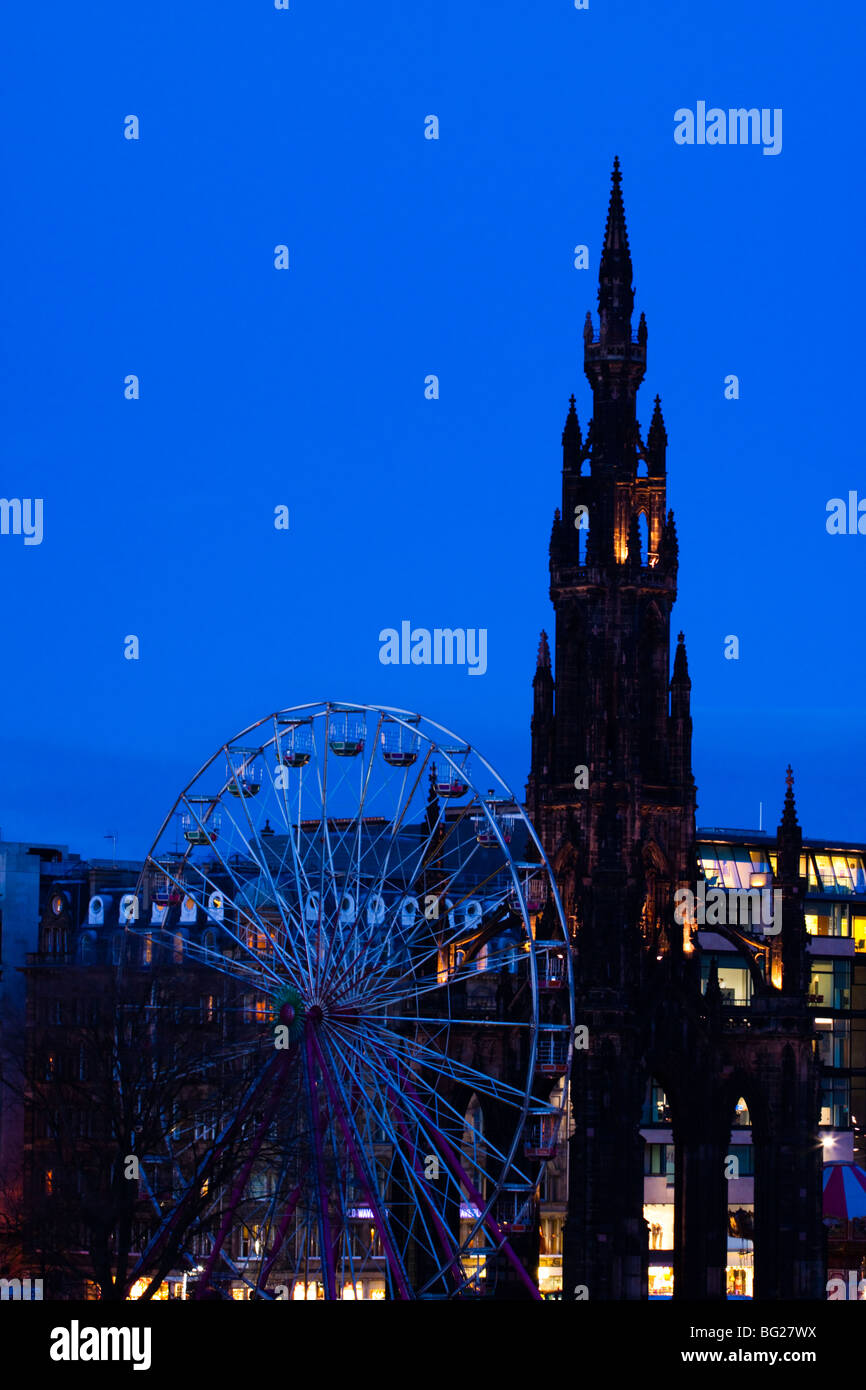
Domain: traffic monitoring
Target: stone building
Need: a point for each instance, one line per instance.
(612, 794)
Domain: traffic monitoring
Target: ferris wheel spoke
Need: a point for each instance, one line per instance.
(492, 1227)
(480, 1082)
(269, 1257)
(446, 1241)
(454, 1172)
(326, 1244)
(260, 858)
(459, 932)
(375, 1068)
(346, 1123)
(203, 1168)
(250, 918)
(183, 887)
(389, 830)
(240, 1184)
(386, 1114)
(352, 840)
(411, 876)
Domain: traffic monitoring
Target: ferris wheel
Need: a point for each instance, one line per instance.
(393, 986)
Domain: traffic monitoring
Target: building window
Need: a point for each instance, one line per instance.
(832, 920)
(744, 1160)
(833, 1045)
(830, 984)
(658, 1161)
(656, 1110)
(735, 982)
(835, 1103)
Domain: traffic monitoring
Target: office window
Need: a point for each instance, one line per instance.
(835, 1103)
(735, 982)
(744, 1155)
(658, 1161)
(830, 984)
(833, 919)
(833, 1041)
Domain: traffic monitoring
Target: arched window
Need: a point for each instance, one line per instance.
(643, 529)
(87, 948)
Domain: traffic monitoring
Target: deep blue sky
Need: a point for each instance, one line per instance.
(409, 257)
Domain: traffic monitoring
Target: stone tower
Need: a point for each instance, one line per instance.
(612, 794)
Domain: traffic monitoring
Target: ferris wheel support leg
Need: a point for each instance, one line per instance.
(345, 1124)
(241, 1182)
(326, 1243)
(279, 1240)
(453, 1162)
(202, 1170)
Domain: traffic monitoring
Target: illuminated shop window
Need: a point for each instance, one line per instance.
(739, 1281)
(661, 1281)
(659, 1217)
